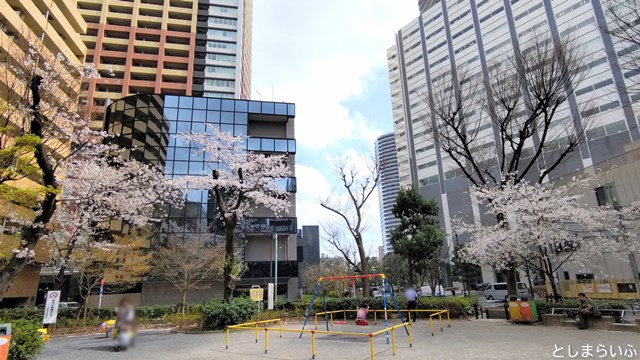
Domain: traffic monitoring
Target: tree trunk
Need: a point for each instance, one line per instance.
(31, 233)
(183, 304)
(229, 256)
(364, 265)
(512, 280)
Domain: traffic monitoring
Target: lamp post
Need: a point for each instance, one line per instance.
(275, 280)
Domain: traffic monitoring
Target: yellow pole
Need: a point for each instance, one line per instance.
(375, 317)
(410, 341)
(345, 316)
(409, 315)
(316, 316)
(393, 341)
(448, 318)
(431, 324)
(266, 339)
(371, 346)
(280, 327)
(256, 333)
(227, 339)
(331, 316)
(440, 317)
(313, 344)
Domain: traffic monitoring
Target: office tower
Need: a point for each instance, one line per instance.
(474, 35)
(177, 47)
(388, 187)
(148, 124)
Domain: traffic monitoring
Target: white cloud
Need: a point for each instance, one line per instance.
(318, 55)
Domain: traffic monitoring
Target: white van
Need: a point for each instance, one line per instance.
(498, 291)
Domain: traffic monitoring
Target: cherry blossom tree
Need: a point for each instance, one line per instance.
(242, 181)
(41, 126)
(99, 190)
(542, 225)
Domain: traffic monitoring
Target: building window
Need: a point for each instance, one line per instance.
(220, 70)
(606, 195)
(221, 45)
(222, 21)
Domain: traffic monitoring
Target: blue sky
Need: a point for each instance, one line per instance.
(328, 57)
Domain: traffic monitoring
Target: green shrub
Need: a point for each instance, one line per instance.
(26, 343)
(155, 311)
(544, 307)
(217, 314)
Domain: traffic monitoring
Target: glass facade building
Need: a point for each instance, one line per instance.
(148, 126)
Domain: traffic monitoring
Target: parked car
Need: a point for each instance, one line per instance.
(69, 305)
(498, 291)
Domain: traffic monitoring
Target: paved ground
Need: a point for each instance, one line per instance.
(477, 339)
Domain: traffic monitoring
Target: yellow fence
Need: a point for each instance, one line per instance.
(433, 312)
(256, 326)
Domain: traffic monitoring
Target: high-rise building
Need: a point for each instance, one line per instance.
(473, 35)
(388, 187)
(178, 47)
(149, 124)
(49, 28)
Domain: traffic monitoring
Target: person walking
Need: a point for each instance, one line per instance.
(412, 297)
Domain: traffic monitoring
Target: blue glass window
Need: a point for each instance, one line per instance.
(213, 104)
(184, 114)
(291, 109)
(268, 144)
(227, 117)
(180, 167)
(181, 153)
(226, 128)
(200, 103)
(184, 127)
(199, 115)
(281, 109)
(281, 145)
(168, 167)
(171, 114)
(242, 118)
(253, 144)
(267, 108)
(170, 152)
(240, 130)
(241, 105)
(213, 116)
(254, 107)
(171, 101)
(196, 168)
(186, 102)
(292, 146)
(227, 105)
(198, 127)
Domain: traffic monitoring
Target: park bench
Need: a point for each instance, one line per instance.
(559, 317)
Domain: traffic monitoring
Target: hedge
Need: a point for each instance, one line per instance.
(217, 314)
(26, 342)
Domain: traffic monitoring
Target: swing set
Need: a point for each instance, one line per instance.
(362, 311)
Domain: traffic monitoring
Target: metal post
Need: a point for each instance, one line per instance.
(256, 333)
(393, 341)
(313, 344)
(313, 299)
(384, 301)
(324, 307)
(448, 319)
(409, 334)
(280, 327)
(275, 296)
(371, 346)
(266, 339)
(227, 339)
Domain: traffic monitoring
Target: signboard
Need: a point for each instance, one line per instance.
(51, 307)
(256, 293)
(588, 287)
(270, 296)
(604, 288)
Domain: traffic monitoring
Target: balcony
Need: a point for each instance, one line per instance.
(266, 269)
(270, 225)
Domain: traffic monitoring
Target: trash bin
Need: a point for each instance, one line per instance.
(522, 310)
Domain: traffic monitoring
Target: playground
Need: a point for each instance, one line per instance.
(375, 327)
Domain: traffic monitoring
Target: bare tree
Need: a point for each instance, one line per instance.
(188, 266)
(522, 104)
(359, 181)
(624, 26)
